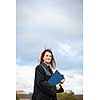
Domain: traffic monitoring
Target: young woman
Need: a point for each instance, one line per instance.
(42, 89)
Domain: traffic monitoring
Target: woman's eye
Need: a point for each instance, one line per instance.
(46, 55)
(50, 56)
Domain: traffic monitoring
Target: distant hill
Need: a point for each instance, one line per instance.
(23, 95)
(79, 97)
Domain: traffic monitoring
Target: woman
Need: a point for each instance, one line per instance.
(42, 89)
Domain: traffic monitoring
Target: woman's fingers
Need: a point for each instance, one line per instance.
(63, 80)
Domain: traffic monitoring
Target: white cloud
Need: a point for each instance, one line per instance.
(42, 16)
(24, 77)
(49, 17)
(74, 81)
(68, 49)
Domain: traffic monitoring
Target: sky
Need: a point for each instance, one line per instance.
(54, 24)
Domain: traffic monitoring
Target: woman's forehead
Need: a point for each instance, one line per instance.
(48, 53)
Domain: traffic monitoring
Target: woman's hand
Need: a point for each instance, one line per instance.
(57, 87)
(62, 81)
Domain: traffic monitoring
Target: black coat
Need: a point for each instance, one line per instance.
(43, 90)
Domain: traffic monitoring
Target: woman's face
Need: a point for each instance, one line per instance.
(47, 57)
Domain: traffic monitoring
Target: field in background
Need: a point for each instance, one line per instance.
(22, 95)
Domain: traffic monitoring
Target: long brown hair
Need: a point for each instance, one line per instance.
(53, 63)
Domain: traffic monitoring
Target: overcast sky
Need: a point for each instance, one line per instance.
(55, 24)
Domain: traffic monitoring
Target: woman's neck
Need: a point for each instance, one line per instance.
(46, 63)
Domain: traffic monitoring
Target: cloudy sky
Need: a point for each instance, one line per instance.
(55, 24)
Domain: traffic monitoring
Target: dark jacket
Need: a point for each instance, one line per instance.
(43, 90)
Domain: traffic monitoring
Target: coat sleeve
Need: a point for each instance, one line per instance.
(42, 83)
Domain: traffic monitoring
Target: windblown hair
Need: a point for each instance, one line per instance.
(53, 63)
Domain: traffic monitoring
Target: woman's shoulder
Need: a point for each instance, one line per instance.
(39, 67)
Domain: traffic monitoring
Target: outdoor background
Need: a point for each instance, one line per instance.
(54, 24)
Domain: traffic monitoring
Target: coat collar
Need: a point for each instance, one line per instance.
(47, 67)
